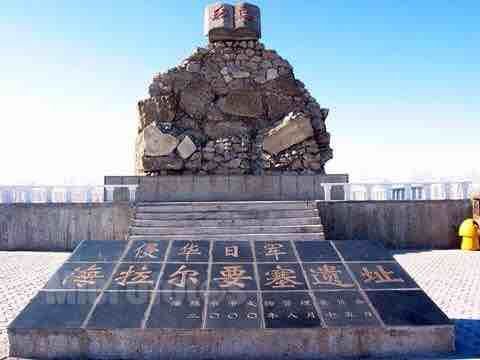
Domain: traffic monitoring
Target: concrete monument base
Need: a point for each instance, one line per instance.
(210, 299)
(231, 343)
(233, 187)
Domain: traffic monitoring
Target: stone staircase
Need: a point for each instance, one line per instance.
(258, 220)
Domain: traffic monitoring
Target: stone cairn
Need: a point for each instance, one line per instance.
(232, 108)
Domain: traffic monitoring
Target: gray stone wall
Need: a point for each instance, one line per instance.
(398, 224)
(408, 224)
(60, 227)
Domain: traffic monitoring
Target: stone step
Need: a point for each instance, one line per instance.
(217, 215)
(232, 237)
(227, 222)
(225, 206)
(190, 230)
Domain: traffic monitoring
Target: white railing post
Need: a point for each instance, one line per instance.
(447, 189)
(388, 191)
(466, 189)
(132, 190)
(109, 193)
(368, 192)
(427, 191)
(408, 192)
(346, 190)
(328, 191)
(49, 194)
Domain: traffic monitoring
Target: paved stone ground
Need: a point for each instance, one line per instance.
(452, 280)
(450, 277)
(22, 274)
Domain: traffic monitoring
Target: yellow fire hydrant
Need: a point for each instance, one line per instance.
(469, 233)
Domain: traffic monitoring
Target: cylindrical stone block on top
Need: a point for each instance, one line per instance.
(219, 21)
(227, 22)
(247, 21)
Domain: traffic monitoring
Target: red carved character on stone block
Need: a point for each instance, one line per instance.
(244, 14)
(219, 12)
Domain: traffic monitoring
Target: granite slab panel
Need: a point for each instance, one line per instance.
(182, 299)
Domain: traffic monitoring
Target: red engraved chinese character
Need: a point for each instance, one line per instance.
(219, 12)
(245, 14)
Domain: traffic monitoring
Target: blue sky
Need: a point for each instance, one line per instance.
(402, 80)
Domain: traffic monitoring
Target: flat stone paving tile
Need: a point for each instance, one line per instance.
(146, 251)
(231, 276)
(381, 275)
(406, 308)
(232, 251)
(281, 277)
(120, 309)
(181, 310)
(98, 250)
(274, 251)
(81, 276)
(233, 310)
(353, 250)
(135, 276)
(328, 276)
(189, 251)
(56, 309)
(345, 308)
(290, 310)
(316, 251)
(187, 276)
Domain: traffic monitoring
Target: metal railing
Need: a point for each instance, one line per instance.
(67, 193)
(407, 191)
(332, 192)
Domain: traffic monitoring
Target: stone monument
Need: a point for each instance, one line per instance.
(234, 107)
(227, 290)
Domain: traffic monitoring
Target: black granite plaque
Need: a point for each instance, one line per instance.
(233, 276)
(182, 277)
(285, 276)
(56, 310)
(120, 309)
(381, 275)
(290, 309)
(357, 250)
(98, 250)
(232, 251)
(328, 276)
(146, 251)
(189, 251)
(177, 310)
(233, 310)
(80, 276)
(345, 308)
(407, 307)
(315, 251)
(274, 251)
(135, 276)
(229, 284)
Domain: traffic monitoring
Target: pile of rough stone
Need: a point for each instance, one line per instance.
(234, 108)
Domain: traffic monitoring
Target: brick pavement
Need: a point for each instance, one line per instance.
(450, 277)
(22, 274)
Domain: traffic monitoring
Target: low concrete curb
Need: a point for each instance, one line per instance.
(231, 343)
